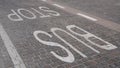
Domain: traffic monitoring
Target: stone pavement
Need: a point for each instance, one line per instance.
(30, 26)
(1, 61)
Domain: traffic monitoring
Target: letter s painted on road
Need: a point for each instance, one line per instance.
(70, 58)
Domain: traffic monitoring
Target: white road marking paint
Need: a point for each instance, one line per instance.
(88, 35)
(20, 14)
(88, 17)
(44, 0)
(16, 59)
(59, 29)
(59, 6)
(55, 29)
(106, 23)
(41, 14)
(18, 17)
(25, 10)
(69, 59)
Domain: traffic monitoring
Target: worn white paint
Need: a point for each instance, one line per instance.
(49, 11)
(41, 14)
(59, 29)
(42, 11)
(59, 6)
(25, 10)
(44, 0)
(15, 57)
(14, 16)
(108, 45)
(70, 58)
(87, 17)
(86, 35)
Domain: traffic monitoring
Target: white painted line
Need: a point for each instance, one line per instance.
(16, 59)
(59, 6)
(44, 0)
(88, 17)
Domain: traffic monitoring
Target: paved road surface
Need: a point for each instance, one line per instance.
(57, 34)
(108, 9)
